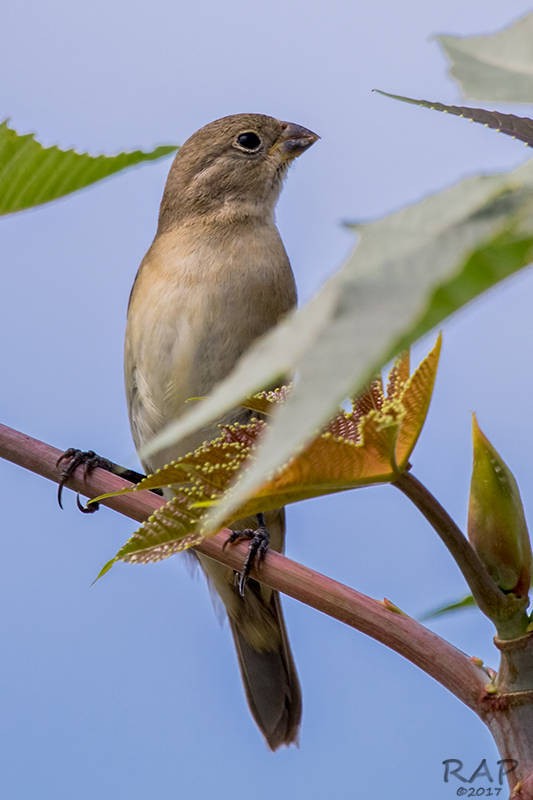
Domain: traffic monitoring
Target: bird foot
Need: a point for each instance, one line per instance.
(90, 460)
(259, 539)
(71, 460)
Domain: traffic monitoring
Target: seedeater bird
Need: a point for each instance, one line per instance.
(215, 278)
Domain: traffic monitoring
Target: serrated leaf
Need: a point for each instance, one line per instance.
(416, 396)
(197, 479)
(369, 444)
(372, 444)
(497, 66)
(520, 128)
(31, 174)
(171, 529)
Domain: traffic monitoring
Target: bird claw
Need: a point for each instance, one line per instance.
(76, 458)
(85, 508)
(259, 539)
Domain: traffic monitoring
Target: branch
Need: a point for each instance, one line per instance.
(422, 647)
(505, 610)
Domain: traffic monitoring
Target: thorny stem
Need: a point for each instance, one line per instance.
(505, 610)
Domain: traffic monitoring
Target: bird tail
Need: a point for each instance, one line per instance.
(268, 671)
(265, 659)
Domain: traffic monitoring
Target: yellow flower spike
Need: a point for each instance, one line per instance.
(497, 526)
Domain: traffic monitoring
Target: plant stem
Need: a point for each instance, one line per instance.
(505, 610)
(510, 716)
(439, 659)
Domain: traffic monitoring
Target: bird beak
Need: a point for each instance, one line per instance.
(294, 139)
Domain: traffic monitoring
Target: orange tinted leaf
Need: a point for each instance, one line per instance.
(415, 398)
(331, 464)
(399, 374)
(172, 528)
(368, 445)
(371, 399)
(213, 463)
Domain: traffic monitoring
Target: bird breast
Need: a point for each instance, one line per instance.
(201, 297)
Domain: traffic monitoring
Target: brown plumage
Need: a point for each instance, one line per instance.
(215, 278)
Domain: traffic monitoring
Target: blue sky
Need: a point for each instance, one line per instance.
(129, 688)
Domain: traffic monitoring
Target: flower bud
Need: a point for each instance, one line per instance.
(497, 526)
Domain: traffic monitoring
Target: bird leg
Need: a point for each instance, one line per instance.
(259, 541)
(73, 458)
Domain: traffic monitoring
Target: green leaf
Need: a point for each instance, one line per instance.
(457, 605)
(410, 270)
(105, 569)
(518, 127)
(497, 67)
(31, 174)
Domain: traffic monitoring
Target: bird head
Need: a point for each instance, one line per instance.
(232, 167)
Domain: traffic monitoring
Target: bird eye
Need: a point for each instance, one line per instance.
(249, 140)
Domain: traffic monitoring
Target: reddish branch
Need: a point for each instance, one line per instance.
(419, 645)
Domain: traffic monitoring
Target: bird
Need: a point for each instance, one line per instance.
(215, 278)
